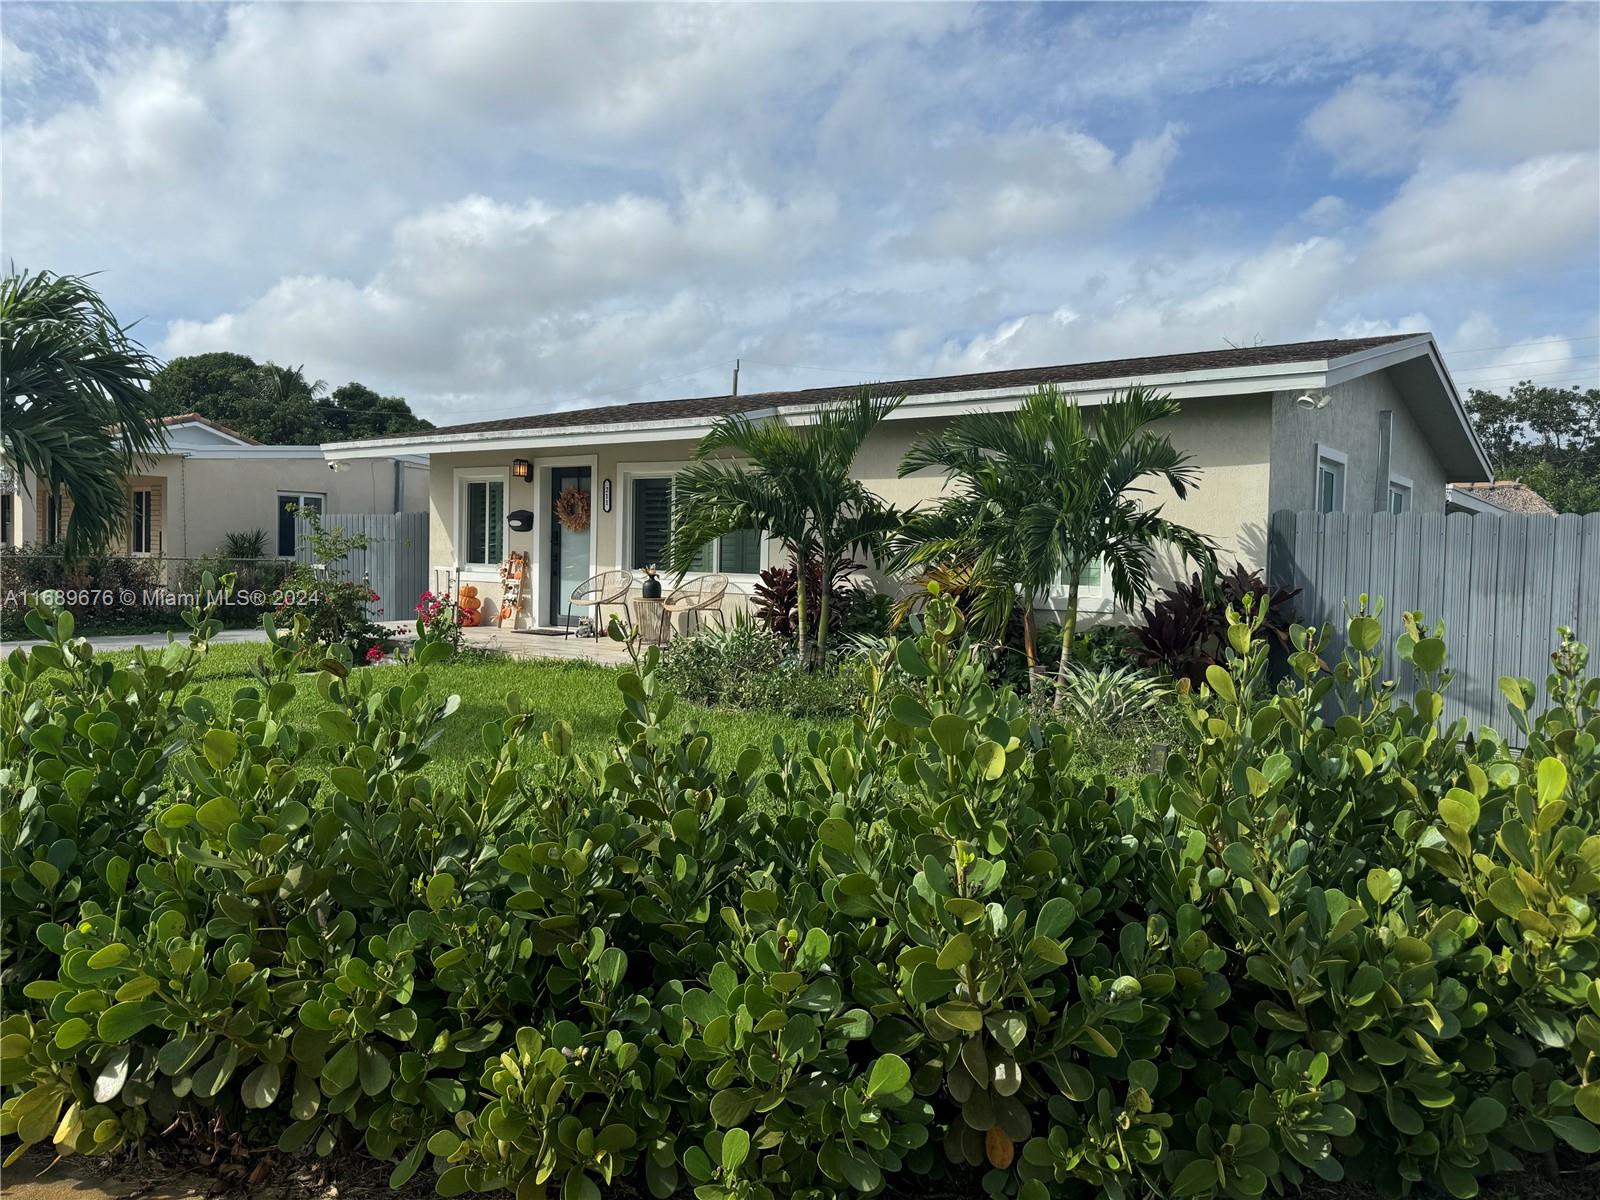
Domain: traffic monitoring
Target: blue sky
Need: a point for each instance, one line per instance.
(495, 209)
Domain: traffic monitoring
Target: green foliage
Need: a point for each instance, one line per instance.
(74, 412)
(103, 592)
(1042, 496)
(1314, 946)
(795, 485)
(338, 611)
(1105, 701)
(747, 667)
(274, 404)
(1546, 437)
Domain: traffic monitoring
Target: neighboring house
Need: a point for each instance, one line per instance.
(1354, 425)
(211, 482)
(1497, 498)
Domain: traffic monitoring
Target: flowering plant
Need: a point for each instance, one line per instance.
(436, 618)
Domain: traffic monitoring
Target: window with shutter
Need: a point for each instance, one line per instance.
(486, 520)
(652, 521)
(736, 554)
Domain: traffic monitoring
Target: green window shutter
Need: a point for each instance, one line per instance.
(495, 533)
(477, 507)
(652, 521)
(741, 553)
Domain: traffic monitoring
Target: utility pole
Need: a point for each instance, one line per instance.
(735, 377)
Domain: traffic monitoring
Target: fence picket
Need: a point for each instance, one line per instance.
(394, 562)
(1501, 585)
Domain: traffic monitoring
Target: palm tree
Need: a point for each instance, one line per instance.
(74, 409)
(1042, 496)
(795, 485)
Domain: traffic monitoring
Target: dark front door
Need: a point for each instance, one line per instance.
(569, 548)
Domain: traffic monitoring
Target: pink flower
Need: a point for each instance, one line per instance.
(374, 653)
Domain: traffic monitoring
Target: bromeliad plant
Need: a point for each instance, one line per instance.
(1331, 939)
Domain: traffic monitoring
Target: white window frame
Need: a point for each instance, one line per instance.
(1094, 599)
(626, 474)
(1399, 484)
(464, 476)
(1327, 454)
(299, 498)
(149, 529)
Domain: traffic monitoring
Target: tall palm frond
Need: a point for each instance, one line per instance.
(793, 482)
(75, 411)
(1041, 494)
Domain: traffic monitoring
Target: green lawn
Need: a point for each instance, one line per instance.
(582, 694)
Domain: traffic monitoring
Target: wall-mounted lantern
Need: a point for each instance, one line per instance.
(521, 468)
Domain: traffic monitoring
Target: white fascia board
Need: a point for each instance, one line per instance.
(237, 452)
(672, 429)
(1351, 366)
(211, 430)
(1183, 385)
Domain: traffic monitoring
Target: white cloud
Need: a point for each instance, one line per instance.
(1373, 124)
(1481, 356)
(1507, 220)
(1539, 95)
(1326, 212)
(1038, 184)
(493, 208)
(1275, 295)
(17, 66)
(483, 295)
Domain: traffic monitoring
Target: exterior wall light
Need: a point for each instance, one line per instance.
(522, 468)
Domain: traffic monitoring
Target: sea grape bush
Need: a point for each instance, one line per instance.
(1332, 939)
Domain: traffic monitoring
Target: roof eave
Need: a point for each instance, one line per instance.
(1181, 384)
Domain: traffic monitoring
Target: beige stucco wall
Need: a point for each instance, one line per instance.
(1230, 438)
(209, 498)
(1350, 425)
(200, 500)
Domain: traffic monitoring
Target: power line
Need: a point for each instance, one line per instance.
(1556, 375)
(1587, 337)
(1525, 363)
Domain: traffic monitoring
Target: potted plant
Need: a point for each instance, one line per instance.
(651, 588)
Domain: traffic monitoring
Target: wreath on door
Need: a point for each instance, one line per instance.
(572, 509)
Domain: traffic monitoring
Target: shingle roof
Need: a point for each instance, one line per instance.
(1027, 377)
(1510, 494)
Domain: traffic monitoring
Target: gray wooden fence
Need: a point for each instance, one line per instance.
(1501, 585)
(394, 563)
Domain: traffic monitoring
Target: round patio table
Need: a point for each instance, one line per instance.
(651, 619)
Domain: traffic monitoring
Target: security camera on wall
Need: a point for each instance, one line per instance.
(338, 466)
(1312, 401)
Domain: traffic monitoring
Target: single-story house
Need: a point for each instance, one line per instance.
(1356, 424)
(212, 481)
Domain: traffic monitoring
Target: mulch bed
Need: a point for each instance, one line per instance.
(226, 1168)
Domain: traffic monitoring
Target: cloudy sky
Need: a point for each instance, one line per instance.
(507, 208)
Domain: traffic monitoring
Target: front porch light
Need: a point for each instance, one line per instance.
(522, 468)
